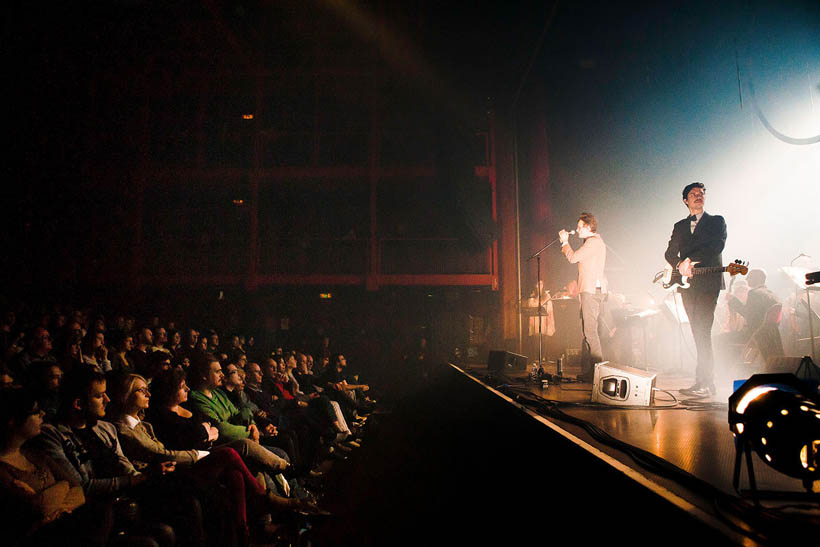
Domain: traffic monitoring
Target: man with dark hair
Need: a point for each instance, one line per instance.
(139, 355)
(699, 239)
(592, 286)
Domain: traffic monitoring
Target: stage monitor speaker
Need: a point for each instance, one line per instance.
(622, 386)
(500, 360)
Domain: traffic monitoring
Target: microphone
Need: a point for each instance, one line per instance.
(571, 232)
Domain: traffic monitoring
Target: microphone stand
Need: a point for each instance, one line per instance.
(537, 257)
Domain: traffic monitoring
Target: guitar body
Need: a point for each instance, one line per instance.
(672, 279)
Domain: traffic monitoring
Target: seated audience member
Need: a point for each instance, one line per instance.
(233, 385)
(38, 348)
(214, 348)
(37, 499)
(253, 388)
(44, 385)
(235, 351)
(201, 347)
(175, 425)
(223, 464)
(350, 396)
(95, 353)
(123, 344)
(188, 346)
(174, 342)
(139, 355)
(160, 340)
(157, 362)
(70, 355)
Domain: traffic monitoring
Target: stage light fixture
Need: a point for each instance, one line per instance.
(777, 416)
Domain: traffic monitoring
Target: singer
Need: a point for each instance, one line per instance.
(592, 286)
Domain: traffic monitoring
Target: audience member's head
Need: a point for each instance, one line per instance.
(45, 376)
(302, 363)
(160, 336)
(71, 350)
(157, 362)
(169, 388)
(122, 341)
(253, 375)
(130, 396)
(202, 344)
(206, 372)
(233, 380)
(271, 369)
(84, 396)
(20, 418)
(145, 337)
(92, 342)
(40, 342)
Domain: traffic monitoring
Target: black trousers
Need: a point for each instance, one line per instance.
(700, 308)
(591, 351)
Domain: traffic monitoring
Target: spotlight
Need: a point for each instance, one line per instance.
(777, 416)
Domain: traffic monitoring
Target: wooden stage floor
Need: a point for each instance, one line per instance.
(693, 437)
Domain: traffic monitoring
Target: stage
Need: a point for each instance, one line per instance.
(691, 439)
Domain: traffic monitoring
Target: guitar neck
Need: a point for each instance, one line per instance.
(708, 269)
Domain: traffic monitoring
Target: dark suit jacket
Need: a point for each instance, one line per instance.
(704, 246)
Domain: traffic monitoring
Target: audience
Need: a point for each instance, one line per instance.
(199, 466)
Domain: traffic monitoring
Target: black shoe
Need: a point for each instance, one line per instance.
(691, 389)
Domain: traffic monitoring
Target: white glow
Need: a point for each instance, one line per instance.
(751, 395)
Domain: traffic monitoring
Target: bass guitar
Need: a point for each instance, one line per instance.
(671, 278)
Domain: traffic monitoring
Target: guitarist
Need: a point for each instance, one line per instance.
(699, 238)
